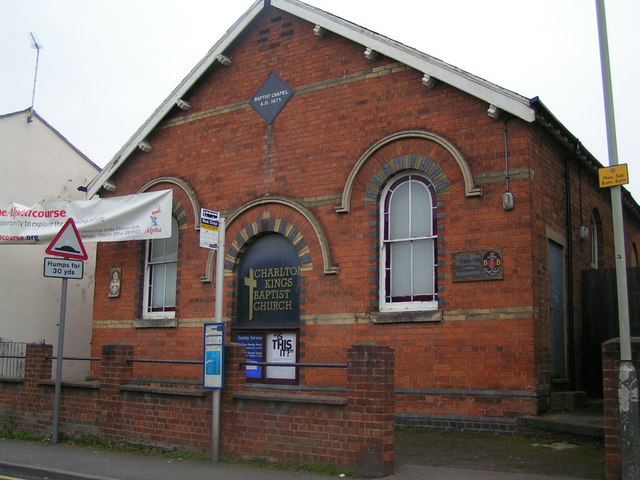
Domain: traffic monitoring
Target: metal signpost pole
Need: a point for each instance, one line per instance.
(58, 388)
(68, 244)
(219, 303)
(212, 233)
(220, 272)
(628, 383)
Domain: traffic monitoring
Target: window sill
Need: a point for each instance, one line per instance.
(186, 392)
(156, 323)
(71, 384)
(290, 398)
(407, 317)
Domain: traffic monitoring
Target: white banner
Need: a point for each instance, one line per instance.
(129, 217)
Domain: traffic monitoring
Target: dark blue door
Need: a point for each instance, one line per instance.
(557, 301)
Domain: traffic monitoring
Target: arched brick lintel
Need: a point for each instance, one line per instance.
(258, 227)
(471, 190)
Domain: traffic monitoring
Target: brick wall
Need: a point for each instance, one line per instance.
(493, 338)
(354, 430)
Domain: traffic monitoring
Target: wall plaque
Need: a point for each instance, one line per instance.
(477, 265)
(115, 283)
(271, 98)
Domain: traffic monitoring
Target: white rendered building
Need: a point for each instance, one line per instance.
(38, 163)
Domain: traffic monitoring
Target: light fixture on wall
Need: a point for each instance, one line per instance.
(584, 232)
(507, 201)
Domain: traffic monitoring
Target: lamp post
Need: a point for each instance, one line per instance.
(627, 379)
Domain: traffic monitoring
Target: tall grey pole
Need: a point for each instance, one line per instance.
(58, 387)
(628, 382)
(215, 397)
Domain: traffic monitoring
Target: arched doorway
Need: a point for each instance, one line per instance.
(268, 307)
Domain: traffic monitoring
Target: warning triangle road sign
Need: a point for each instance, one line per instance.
(68, 243)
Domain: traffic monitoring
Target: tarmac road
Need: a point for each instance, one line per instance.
(9, 475)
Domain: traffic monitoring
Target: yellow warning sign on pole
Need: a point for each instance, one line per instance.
(613, 176)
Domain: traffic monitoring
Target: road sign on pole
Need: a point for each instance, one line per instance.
(613, 175)
(219, 242)
(628, 404)
(209, 228)
(63, 268)
(68, 243)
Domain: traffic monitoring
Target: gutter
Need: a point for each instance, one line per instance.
(547, 120)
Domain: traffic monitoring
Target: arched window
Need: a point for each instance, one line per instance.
(408, 250)
(268, 307)
(634, 255)
(160, 275)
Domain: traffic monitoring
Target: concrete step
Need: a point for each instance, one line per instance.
(568, 400)
(574, 423)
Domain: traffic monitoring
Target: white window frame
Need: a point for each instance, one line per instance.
(430, 300)
(169, 312)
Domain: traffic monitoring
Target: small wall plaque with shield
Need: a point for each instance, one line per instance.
(115, 282)
(477, 265)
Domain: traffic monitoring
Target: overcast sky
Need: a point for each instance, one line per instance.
(106, 65)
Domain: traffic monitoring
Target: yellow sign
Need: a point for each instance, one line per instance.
(613, 176)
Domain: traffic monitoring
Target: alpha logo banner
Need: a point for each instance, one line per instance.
(116, 219)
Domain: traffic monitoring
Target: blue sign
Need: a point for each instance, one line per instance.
(253, 346)
(213, 356)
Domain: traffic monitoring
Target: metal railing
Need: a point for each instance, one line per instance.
(88, 359)
(12, 356)
(308, 365)
(177, 362)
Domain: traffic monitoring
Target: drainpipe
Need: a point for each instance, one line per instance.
(570, 277)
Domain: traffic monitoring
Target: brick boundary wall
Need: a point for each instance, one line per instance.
(610, 362)
(352, 430)
(355, 430)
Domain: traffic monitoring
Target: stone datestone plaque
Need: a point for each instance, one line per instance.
(271, 98)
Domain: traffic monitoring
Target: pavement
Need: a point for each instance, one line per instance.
(67, 462)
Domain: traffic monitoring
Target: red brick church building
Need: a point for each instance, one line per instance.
(371, 193)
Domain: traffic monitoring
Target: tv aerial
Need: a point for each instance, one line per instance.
(38, 46)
